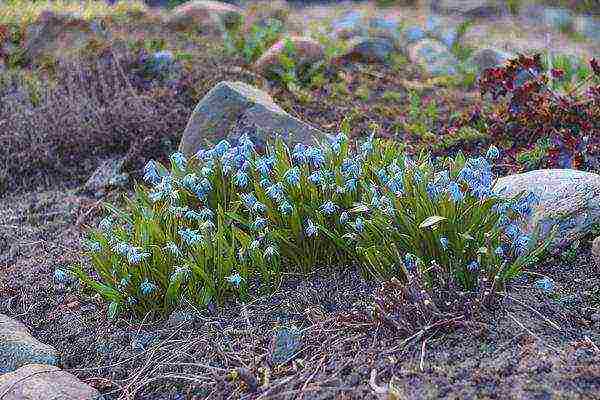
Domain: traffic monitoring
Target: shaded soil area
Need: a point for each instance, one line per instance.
(316, 337)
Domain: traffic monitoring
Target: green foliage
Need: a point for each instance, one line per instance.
(251, 45)
(228, 218)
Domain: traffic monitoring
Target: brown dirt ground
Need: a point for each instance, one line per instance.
(529, 346)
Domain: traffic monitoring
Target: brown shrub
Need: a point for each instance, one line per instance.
(55, 130)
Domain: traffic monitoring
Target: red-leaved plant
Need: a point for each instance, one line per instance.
(527, 110)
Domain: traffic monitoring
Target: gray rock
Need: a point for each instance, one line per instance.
(558, 18)
(589, 27)
(570, 200)
(38, 381)
(433, 56)
(444, 32)
(349, 24)
(231, 109)
(488, 58)
(458, 6)
(107, 175)
(372, 50)
(182, 317)
(18, 347)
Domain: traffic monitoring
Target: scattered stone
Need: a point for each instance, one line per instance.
(458, 7)
(484, 12)
(433, 56)
(181, 317)
(18, 347)
(140, 341)
(444, 32)
(570, 200)
(370, 50)
(230, 108)
(595, 317)
(56, 30)
(558, 18)
(384, 27)
(349, 25)
(285, 344)
(38, 381)
(107, 175)
(489, 58)
(205, 15)
(260, 13)
(588, 26)
(306, 51)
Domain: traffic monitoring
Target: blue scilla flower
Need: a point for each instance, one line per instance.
(300, 154)
(522, 243)
(179, 160)
(367, 146)
(493, 153)
(455, 193)
(329, 207)
(125, 281)
(62, 276)
(259, 207)
(235, 279)
(182, 273)
(259, 224)
(121, 248)
(344, 217)
(410, 261)
(546, 284)
(106, 224)
(285, 208)
(194, 215)
(382, 175)
(93, 246)
(151, 174)
(190, 181)
(499, 251)
(248, 199)
(444, 243)
(135, 256)
(311, 229)
(396, 186)
(173, 249)
(316, 177)
(221, 148)
(265, 182)
(316, 157)
(350, 168)
(442, 178)
(433, 190)
(275, 191)
(350, 185)
(512, 231)
(190, 236)
(264, 165)
(359, 224)
(147, 287)
(241, 179)
(271, 252)
(292, 176)
(473, 266)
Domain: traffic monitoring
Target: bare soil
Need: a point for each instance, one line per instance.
(530, 345)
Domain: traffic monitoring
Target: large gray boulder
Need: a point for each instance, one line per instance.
(231, 109)
(38, 381)
(570, 200)
(18, 347)
(434, 57)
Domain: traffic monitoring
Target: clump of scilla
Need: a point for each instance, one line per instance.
(211, 223)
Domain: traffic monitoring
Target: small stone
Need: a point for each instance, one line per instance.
(595, 317)
(489, 58)
(18, 347)
(433, 57)
(370, 50)
(350, 24)
(205, 15)
(306, 51)
(107, 175)
(38, 381)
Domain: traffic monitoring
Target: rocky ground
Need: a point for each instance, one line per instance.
(313, 338)
(317, 337)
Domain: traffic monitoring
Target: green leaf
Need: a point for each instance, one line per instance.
(432, 221)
